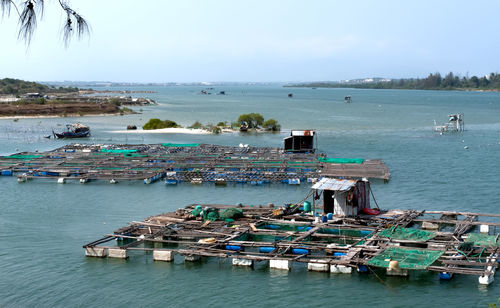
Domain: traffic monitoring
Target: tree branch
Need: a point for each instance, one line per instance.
(5, 6)
(32, 10)
(82, 27)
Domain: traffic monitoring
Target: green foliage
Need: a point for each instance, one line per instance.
(19, 87)
(35, 101)
(215, 130)
(157, 124)
(125, 110)
(493, 305)
(116, 101)
(254, 120)
(432, 82)
(221, 124)
(271, 125)
(196, 125)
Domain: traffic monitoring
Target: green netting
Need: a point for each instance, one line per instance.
(263, 238)
(407, 258)
(118, 151)
(231, 213)
(341, 160)
(20, 156)
(211, 214)
(180, 145)
(400, 233)
(345, 232)
(483, 239)
(196, 212)
(285, 227)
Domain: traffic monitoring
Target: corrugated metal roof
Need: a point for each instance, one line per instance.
(334, 184)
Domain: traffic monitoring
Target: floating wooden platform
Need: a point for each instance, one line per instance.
(177, 163)
(396, 241)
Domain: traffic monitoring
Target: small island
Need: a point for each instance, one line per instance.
(20, 98)
(248, 122)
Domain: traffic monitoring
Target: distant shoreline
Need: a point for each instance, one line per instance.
(375, 88)
(57, 116)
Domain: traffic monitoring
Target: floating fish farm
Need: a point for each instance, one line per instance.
(176, 163)
(394, 242)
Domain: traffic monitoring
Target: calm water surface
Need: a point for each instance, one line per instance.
(44, 225)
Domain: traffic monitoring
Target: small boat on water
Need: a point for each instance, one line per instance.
(244, 126)
(77, 130)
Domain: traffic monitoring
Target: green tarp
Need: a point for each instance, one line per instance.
(399, 233)
(118, 151)
(483, 239)
(19, 156)
(407, 258)
(180, 145)
(341, 160)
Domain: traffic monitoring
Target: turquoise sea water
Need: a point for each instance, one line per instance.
(43, 225)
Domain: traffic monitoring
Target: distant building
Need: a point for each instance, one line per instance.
(32, 95)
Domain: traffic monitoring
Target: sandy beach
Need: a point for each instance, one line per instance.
(177, 130)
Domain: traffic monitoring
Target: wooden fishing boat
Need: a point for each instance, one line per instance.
(77, 130)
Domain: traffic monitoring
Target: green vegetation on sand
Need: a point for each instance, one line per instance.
(157, 124)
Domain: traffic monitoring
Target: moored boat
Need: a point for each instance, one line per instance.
(77, 130)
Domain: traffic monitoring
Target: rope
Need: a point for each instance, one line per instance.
(380, 279)
(373, 196)
(300, 202)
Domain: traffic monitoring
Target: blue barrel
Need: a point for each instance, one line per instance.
(362, 268)
(307, 206)
(300, 251)
(339, 254)
(6, 172)
(445, 276)
(266, 249)
(324, 219)
(329, 216)
(233, 247)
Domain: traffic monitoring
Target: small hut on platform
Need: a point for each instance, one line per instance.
(300, 141)
(345, 198)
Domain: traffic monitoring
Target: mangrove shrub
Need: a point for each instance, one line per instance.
(271, 125)
(254, 120)
(157, 124)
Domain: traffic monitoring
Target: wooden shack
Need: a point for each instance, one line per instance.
(344, 198)
(300, 141)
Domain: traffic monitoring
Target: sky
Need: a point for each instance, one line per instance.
(259, 41)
